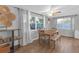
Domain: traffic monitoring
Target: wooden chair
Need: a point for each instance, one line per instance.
(55, 37)
(41, 35)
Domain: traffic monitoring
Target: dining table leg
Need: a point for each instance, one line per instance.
(49, 41)
(12, 47)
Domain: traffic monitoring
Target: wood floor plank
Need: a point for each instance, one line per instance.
(63, 45)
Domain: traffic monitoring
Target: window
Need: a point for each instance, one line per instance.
(36, 22)
(39, 23)
(64, 23)
(32, 23)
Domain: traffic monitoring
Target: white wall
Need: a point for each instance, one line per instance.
(77, 27)
(53, 23)
(47, 24)
(15, 23)
(24, 19)
(15, 11)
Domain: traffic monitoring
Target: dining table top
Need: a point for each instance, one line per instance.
(50, 31)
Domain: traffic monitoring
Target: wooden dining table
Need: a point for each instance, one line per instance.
(50, 34)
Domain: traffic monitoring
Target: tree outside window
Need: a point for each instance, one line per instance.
(32, 23)
(36, 23)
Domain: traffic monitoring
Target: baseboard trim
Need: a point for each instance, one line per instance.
(34, 39)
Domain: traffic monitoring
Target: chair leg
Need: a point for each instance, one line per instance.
(54, 44)
(19, 44)
(49, 42)
(39, 41)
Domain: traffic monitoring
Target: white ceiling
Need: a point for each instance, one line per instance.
(34, 8)
(45, 9)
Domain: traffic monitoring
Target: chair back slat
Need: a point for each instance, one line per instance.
(41, 32)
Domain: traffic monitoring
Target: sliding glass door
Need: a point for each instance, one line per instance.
(65, 26)
(64, 23)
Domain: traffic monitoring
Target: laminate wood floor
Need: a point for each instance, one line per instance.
(63, 45)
